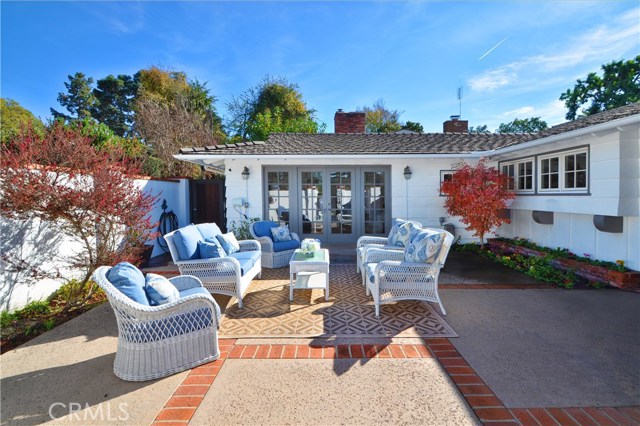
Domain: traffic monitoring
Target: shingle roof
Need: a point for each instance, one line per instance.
(394, 143)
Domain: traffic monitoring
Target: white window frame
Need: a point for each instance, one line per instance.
(516, 175)
(561, 171)
(444, 173)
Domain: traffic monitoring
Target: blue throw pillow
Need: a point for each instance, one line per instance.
(160, 290)
(404, 233)
(280, 234)
(229, 242)
(186, 241)
(129, 281)
(210, 249)
(424, 248)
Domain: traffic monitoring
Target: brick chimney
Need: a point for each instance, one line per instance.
(455, 125)
(349, 122)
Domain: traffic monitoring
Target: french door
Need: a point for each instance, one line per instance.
(332, 204)
(326, 204)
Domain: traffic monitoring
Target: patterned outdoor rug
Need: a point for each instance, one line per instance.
(267, 311)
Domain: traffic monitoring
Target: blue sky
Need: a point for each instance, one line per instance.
(414, 55)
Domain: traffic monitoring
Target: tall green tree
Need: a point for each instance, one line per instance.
(114, 102)
(171, 112)
(414, 127)
(14, 119)
(525, 125)
(79, 99)
(479, 129)
(380, 119)
(619, 85)
(273, 105)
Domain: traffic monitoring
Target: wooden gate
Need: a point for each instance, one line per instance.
(207, 198)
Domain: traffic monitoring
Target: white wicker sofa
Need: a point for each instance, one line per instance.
(230, 274)
(156, 341)
(274, 254)
(412, 274)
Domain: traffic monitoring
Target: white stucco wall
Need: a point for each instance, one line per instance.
(43, 247)
(614, 191)
(424, 201)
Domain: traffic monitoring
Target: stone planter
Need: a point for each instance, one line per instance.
(629, 279)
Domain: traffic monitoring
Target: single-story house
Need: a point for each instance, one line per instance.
(577, 183)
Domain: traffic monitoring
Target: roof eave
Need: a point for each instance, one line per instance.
(563, 136)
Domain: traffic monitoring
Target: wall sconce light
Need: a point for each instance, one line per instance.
(407, 173)
(245, 173)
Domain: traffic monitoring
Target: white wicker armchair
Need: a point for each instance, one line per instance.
(156, 341)
(380, 242)
(270, 257)
(222, 275)
(388, 277)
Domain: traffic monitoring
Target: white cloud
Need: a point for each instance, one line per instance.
(605, 41)
(492, 80)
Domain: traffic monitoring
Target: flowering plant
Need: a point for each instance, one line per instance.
(309, 245)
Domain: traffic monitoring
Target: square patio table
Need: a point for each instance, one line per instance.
(309, 271)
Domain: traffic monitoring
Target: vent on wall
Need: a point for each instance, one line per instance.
(543, 218)
(611, 224)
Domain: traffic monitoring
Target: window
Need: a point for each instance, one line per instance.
(278, 196)
(520, 174)
(445, 176)
(565, 171)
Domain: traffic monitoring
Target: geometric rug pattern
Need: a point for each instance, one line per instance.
(267, 312)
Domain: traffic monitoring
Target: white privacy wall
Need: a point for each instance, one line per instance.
(614, 191)
(42, 246)
(422, 191)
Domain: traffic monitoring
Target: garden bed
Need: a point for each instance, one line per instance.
(20, 326)
(595, 273)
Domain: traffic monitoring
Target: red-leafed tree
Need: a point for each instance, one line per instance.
(478, 194)
(88, 195)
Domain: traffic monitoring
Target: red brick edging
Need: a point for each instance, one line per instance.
(181, 407)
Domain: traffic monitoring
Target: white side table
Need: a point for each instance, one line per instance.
(309, 271)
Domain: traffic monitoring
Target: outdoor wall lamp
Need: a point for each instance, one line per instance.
(407, 173)
(245, 173)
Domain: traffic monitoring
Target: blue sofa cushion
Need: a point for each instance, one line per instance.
(228, 242)
(402, 233)
(208, 230)
(193, 290)
(371, 271)
(263, 228)
(186, 242)
(210, 249)
(129, 281)
(246, 259)
(286, 245)
(159, 290)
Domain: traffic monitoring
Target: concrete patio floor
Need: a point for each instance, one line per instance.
(525, 356)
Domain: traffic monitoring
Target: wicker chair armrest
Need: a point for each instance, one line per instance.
(408, 267)
(192, 303)
(266, 244)
(185, 282)
(373, 254)
(249, 245)
(206, 264)
(364, 240)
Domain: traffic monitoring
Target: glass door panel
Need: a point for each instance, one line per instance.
(341, 213)
(312, 203)
(374, 203)
(278, 201)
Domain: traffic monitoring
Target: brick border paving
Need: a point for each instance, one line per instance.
(186, 399)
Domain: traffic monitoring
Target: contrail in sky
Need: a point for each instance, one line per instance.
(494, 47)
